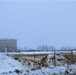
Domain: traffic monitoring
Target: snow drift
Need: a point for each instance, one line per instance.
(8, 64)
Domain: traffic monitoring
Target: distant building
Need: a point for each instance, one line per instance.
(8, 44)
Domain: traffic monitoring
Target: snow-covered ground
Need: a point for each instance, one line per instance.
(59, 70)
(9, 66)
(49, 52)
(41, 52)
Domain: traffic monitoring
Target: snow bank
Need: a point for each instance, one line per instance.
(8, 64)
(59, 70)
(47, 71)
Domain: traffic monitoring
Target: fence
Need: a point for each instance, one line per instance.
(69, 54)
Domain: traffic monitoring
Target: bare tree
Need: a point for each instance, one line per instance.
(51, 48)
(65, 48)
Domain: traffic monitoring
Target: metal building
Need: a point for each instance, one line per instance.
(9, 44)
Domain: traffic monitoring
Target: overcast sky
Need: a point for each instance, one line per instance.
(35, 23)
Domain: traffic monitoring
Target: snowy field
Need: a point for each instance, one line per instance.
(41, 52)
(9, 66)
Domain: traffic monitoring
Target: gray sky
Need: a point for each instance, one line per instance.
(35, 23)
